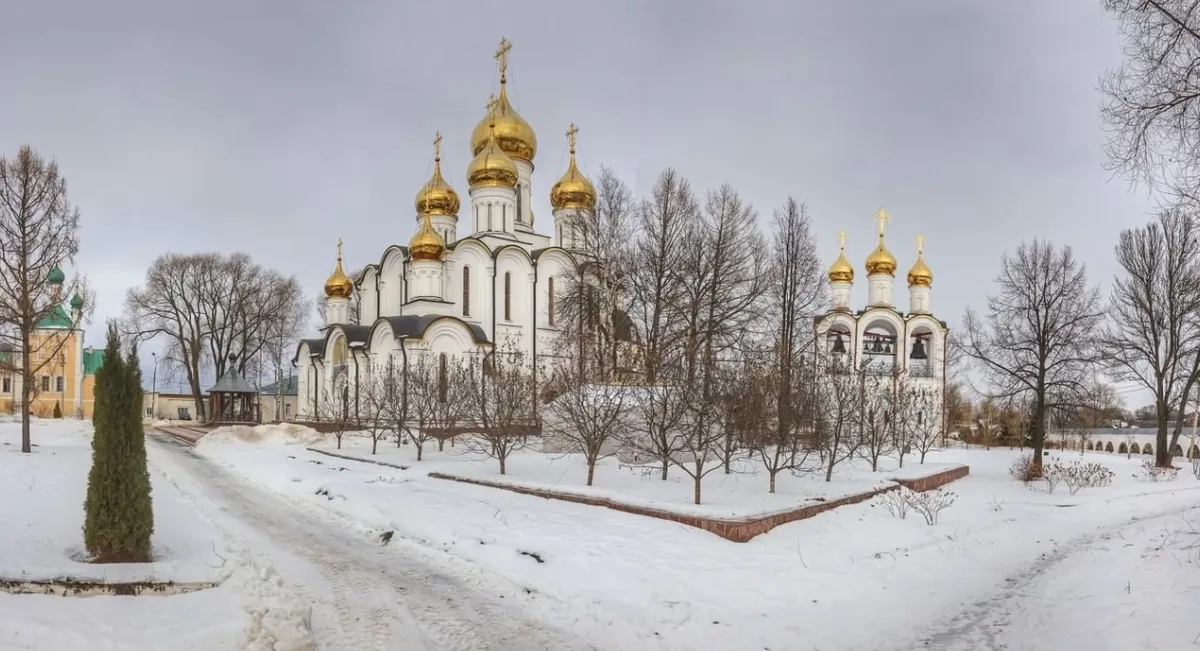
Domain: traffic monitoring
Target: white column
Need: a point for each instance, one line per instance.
(337, 311)
(918, 299)
(77, 411)
(425, 279)
(839, 294)
(879, 290)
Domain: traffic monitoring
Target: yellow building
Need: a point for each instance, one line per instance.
(64, 370)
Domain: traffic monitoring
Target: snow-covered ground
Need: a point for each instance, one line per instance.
(854, 578)
(42, 512)
(741, 493)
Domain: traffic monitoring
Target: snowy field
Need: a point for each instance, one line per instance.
(42, 512)
(741, 493)
(631, 582)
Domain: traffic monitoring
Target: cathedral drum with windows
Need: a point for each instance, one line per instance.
(473, 278)
(881, 340)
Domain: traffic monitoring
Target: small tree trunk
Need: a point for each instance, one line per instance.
(696, 488)
(442, 444)
(339, 440)
(829, 468)
(503, 458)
(922, 457)
(666, 463)
(420, 448)
(374, 444)
(772, 473)
(591, 470)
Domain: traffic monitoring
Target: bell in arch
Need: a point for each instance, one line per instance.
(918, 350)
(839, 345)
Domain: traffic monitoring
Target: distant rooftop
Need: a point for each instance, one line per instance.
(291, 387)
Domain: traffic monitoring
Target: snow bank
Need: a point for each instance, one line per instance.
(275, 434)
(278, 620)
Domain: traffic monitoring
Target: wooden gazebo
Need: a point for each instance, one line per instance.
(232, 401)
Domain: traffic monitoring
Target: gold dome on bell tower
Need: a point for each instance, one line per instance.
(881, 261)
(841, 271)
(436, 197)
(426, 244)
(491, 166)
(573, 189)
(920, 275)
(514, 135)
(339, 284)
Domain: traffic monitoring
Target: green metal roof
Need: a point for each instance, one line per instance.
(92, 361)
(57, 318)
(56, 276)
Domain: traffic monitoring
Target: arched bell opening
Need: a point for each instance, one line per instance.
(920, 352)
(879, 348)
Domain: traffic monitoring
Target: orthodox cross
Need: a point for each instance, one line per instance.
(437, 146)
(571, 131)
(920, 244)
(842, 240)
(502, 57)
(883, 218)
(339, 249)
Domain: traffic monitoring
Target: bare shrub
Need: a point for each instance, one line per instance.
(897, 503)
(1151, 472)
(929, 504)
(1024, 470)
(1053, 474)
(1078, 475)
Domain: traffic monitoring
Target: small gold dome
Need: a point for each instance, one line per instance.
(339, 284)
(920, 274)
(841, 271)
(514, 134)
(881, 261)
(426, 244)
(436, 197)
(573, 190)
(491, 166)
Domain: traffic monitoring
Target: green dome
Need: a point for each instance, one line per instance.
(76, 302)
(56, 276)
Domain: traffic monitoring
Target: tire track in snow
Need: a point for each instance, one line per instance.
(373, 598)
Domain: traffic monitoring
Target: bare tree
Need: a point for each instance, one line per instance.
(501, 391)
(210, 309)
(920, 418)
(1152, 102)
(763, 404)
(1037, 339)
(587, 415)
(435, 399)
(593, 304)
(837, 405)
(335, 408)
(1154, 338)
(657, 425)
(956, 410)
(664, 222)
(877, 428)
(377, 393)
(39, 234)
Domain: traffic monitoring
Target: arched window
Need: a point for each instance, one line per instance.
(489, 216)
(507, 296)
(503, 216)
(550, 300)
(519, 202)
(443, 377)
(476, 219)
(466, 291)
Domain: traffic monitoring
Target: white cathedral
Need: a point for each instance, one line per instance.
(457, 288)
(882, 339)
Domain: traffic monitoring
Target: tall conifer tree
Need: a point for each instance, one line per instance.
(119, 518)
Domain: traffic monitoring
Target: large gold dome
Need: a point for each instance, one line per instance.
(881, 261)
(841, 271)
(436, 197)
(339, 285)
(426, 244)
(514, 135)
(491, 166)
(920, 274)
(573, 189)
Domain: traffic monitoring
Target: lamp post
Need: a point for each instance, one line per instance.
(154, 387)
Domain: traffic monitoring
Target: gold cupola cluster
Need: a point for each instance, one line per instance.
(573, 190)
(511, 133)
(491, 165)
(436, 197)
(339, 285)
(881, 260)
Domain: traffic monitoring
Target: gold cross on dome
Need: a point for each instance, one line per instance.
(502, 55)
(883, 217)
(339, 249)
(571, 131)
(437, 146)
(920, 244)
(842, 240)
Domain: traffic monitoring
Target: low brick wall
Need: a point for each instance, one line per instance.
(734, 529)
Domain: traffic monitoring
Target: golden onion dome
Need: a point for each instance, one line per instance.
(491, 166)
(514, 135)
(339, 284)
(920, 275)
(573, 189)
(841, 271)
(881, 261)
(426, 244)
(436, 197)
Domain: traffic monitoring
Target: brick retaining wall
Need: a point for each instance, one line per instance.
(735, 529)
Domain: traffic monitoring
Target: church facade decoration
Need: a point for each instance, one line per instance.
(476, 277)
(881, 339)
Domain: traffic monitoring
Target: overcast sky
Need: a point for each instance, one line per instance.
(274, 127)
